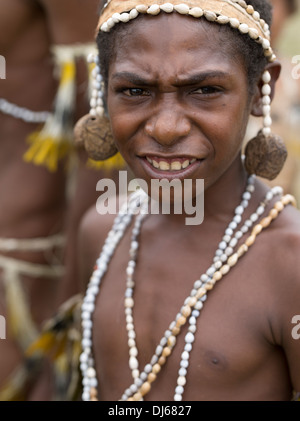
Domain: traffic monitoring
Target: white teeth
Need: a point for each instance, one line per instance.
(175, 166)
(185, 164)
(165, 166)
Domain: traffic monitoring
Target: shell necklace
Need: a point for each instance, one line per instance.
(225, 258)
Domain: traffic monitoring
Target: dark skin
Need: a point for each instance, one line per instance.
(243, 349)
(34, 201)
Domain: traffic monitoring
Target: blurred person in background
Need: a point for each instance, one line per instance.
(286, 104)
(46, 184)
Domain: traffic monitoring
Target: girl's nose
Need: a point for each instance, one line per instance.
(168, 125)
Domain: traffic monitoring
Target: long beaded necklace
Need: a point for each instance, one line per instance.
(219, 257)
(224, 251)
(22, 113)
(121, 223)
(224, 260)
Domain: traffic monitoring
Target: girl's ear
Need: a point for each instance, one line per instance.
(274, 69)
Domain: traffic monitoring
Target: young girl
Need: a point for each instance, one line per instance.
(173, 310)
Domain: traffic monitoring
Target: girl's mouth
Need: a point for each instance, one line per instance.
(170, 164)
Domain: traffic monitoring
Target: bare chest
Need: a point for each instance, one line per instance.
(222, 342)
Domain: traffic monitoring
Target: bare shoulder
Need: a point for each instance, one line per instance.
(281, 248)
(93, 231)
(287, 229)
(283, 243)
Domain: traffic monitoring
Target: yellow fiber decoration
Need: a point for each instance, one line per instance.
(114, 163)
(54, 141)
(47, 150)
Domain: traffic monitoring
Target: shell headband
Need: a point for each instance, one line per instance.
(265, 154)
(236, 13)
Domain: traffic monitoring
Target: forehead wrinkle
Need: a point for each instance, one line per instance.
(142, 39)
(180, 70)
(149, 75)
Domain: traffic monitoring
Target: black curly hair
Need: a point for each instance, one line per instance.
(252, 53)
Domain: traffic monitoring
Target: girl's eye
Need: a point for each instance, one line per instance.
(207, 90)
(136, 92)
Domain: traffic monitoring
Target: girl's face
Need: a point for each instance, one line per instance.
(177, 99)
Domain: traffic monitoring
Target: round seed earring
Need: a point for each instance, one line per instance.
(266, 153)
(93, 131)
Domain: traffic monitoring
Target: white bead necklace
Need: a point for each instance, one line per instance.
(121, 223)
(219, 260)
(22, 113)
(189, 338)
(140, 201)
(133, 362)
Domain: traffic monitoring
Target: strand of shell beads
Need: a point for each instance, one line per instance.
(151, 370)
(204, 279)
